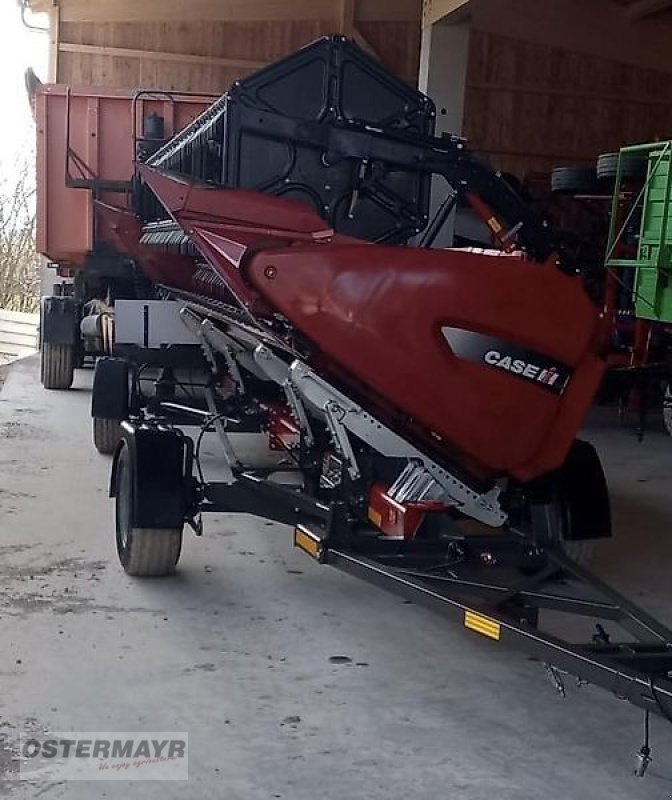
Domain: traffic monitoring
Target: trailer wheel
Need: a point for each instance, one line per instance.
(106, 435)
(57, 365)
(574, 180)
(583, 496)
(667, 408)
(572, 504)
(580, 551)
(143, 552)
(110, 403)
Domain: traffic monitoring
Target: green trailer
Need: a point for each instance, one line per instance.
(649, 212)
(652, 261)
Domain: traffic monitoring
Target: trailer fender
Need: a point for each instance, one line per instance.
(110, 395)
(59, 320)
(162, 486)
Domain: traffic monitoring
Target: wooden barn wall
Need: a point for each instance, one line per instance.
(208, 56)
(531, 107)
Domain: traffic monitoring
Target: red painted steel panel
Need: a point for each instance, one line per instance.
(378, 313)
(100, 133)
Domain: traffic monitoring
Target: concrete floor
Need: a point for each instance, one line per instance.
(235, 649)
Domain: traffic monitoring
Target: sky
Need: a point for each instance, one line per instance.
(19, 49)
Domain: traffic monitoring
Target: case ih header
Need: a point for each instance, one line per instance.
(424, 402)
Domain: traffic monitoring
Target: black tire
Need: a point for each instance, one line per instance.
(667, 408)
(584, 491)
(580, 551)
(106, 435)
(574, 180)
(143, 552)
(583, 495)
(576, 497)
(633, 166)
(57, 365)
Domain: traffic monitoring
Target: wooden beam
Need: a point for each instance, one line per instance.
(434, 10)
(346, 17)
(551, 91)
(159, 55)
(125, 11)
(227, 10)
(347, 14)
(646, 8)
(389, 11)
(54, 35)
(196, 10)
(39, 6)
(364, 43)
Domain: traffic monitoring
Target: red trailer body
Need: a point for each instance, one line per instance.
(87, 140)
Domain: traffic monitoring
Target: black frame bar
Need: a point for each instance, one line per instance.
(619, 667)
(500, 602)
(497, 585)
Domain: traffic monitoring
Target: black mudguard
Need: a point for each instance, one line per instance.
(163, 486)
(582, 485)
(110, 396)
(59, 320)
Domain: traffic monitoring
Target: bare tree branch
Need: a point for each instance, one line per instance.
(19, 262)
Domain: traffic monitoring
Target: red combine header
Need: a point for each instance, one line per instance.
(424, 402)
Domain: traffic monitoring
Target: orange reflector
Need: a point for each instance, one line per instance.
(308, 542)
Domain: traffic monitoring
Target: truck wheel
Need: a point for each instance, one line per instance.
(106, 434)
(143, 552)
(57, 365)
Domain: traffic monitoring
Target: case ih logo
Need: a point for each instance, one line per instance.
(525, 364)
(517, 366)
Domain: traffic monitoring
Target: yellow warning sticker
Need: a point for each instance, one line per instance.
(483, 625)
(493, 222)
